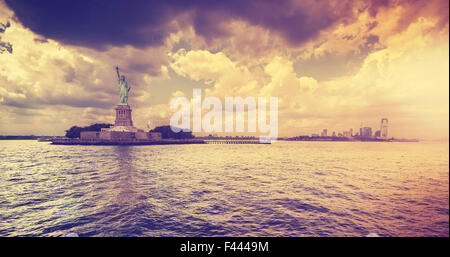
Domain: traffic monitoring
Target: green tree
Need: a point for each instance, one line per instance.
(166, 132)
(74, 131)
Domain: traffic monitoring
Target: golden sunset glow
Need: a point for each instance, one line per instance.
(367, 62)
(225, 120)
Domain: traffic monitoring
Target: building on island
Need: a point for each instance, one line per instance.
(123, 129)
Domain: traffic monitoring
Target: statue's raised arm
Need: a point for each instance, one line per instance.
(117, 70)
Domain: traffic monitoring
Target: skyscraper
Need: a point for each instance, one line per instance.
(366, 132)
(384, 128)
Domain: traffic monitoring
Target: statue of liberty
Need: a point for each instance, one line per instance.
(124, 88)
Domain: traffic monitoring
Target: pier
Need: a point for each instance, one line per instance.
(236, 142)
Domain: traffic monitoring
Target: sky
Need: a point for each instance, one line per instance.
(332, 64)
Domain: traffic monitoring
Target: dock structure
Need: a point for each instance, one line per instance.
(77, 141)
(236, 142)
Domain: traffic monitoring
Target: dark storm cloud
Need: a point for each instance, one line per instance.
(97, 23)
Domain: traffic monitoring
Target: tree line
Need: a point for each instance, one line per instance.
(74, 131)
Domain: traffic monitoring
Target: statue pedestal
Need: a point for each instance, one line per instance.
(123, 131)
(123, 116)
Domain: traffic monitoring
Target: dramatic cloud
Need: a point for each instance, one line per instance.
(333, 64)
(97, 23)
(148, 23)
(406, 81)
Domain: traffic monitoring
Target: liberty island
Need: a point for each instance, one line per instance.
(122, 132)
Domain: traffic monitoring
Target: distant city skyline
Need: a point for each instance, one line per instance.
(332, 64)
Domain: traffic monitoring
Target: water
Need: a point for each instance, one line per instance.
(283, 189)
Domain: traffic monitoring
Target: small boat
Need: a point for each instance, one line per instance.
(44, 139)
